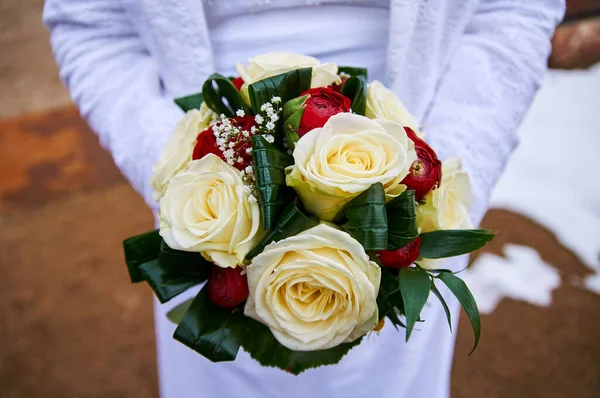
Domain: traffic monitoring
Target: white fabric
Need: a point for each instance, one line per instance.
(468, 69)
(323, 33)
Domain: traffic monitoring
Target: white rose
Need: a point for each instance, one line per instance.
(382, 103)
(178, 151)
(334, 164)
(205, 210)
(314, 290)
(275, 63)
(447, 207)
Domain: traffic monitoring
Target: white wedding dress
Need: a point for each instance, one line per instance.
(383, 365)
(468, 69)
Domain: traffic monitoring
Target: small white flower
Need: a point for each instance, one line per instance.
(264, 107)
(245, 133)
(252, 199)
(253, 130)
(270, 126)
(240, 159)
(240, 113)
(270, 139)
(232, 144)
(249, 170)
(274, 117)
(248, 150)
(276, 100)
(259, 119)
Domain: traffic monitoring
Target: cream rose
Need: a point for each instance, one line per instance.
(314, 290)
(447, 207)
(382, 103)
(334, 164)
(205, 210)
(178, 150)
(275, 63)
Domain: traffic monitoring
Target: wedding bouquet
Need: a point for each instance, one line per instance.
(309, 202)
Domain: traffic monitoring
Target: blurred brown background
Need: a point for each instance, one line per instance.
(72, 326)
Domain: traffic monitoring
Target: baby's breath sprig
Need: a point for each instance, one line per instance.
(231, 139)
(268, 117)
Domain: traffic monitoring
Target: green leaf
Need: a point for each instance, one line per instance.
(354, 71)
(217, 334)
(269, 168)
(414, 285)
(293, 110)
(291, 222)
(260, 343)
(365, 218)
(449, 243)
(437, 294)
(287, 86)
(218, 88)
(459, 288)
(174, 272)
(190, 102)
(402, 220)
(139, 250)
(210, 330)
(355, 88)
(176, 314)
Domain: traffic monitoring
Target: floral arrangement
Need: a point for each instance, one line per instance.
(309, 202)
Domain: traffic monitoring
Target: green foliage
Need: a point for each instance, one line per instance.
(269, 168)
(190, 102)
(453, 242)
(402, 220)
(222, 97)
(365, 218)
(355, 88)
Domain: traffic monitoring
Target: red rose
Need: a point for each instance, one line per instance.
(227, 287)
(425, 172)
(238, 82)
(207, 143)
(313, 108)
(403, 257)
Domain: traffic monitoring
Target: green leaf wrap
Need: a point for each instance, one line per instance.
(210, 330)
(269, 168)
(217, 334)
(215, 89)
(414, 285)
(287, 86)
(190, 102)
(459, 288)
(365, 218)
(453, 242)
(174, 272)
(291, 222)
(355, 88)
(139, 250)
(402, 220)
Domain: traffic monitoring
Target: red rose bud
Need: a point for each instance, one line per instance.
(312, 110)
(426, 172)
(227, 287)
(403, 257)
(207, 143)
(238, 82)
